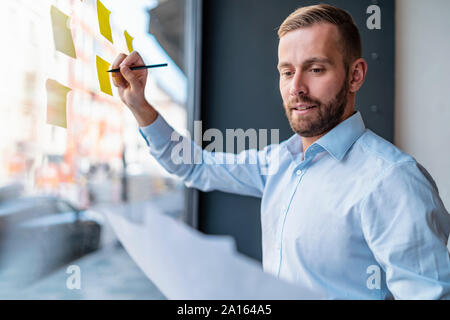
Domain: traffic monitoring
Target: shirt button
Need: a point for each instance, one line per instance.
(299, 172)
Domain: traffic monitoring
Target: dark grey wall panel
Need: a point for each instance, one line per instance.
(240, 90)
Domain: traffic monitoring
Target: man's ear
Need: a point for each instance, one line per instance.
(357, 74)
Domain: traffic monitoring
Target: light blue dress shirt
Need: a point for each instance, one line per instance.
(357, 218)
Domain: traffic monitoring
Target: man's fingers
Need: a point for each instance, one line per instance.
(119, 59)
(134, 59)
(129, 75)
(126, 76)
(118, 79)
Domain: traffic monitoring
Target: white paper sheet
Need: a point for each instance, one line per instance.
(185, 264)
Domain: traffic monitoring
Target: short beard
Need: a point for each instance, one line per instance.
(324, 119)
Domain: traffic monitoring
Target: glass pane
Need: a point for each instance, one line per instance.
(69, 150)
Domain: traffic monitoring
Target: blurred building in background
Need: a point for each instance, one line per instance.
(55, 181)
(86, 162)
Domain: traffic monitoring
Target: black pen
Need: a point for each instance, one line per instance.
(141, 67)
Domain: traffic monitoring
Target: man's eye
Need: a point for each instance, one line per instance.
(287, 73)
(317, 70)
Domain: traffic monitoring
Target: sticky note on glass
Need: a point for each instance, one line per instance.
(56, 103)
(62, 34)
(103, 21)
(129, 40)
(103, 75)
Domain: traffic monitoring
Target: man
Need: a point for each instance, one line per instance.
(344, 211)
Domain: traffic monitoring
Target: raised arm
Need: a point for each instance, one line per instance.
(242, 174)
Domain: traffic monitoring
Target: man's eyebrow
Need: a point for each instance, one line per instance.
(308, 62)
(284, 64)
(317, 60)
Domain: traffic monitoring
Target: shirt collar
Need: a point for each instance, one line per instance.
(337, 142)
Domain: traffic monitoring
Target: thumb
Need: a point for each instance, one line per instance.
(130, 76)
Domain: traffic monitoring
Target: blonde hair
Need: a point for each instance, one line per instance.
(324, 13)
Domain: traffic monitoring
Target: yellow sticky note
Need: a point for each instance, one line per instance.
(129, 40)
(62, 34)
(103, 21)
(103, 76)
(56, 103)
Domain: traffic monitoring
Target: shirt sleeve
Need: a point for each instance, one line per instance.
(207, 171)
(407, 228)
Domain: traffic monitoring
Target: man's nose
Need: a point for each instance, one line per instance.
(298, 85)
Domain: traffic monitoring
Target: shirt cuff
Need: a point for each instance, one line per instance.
(157, 134)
